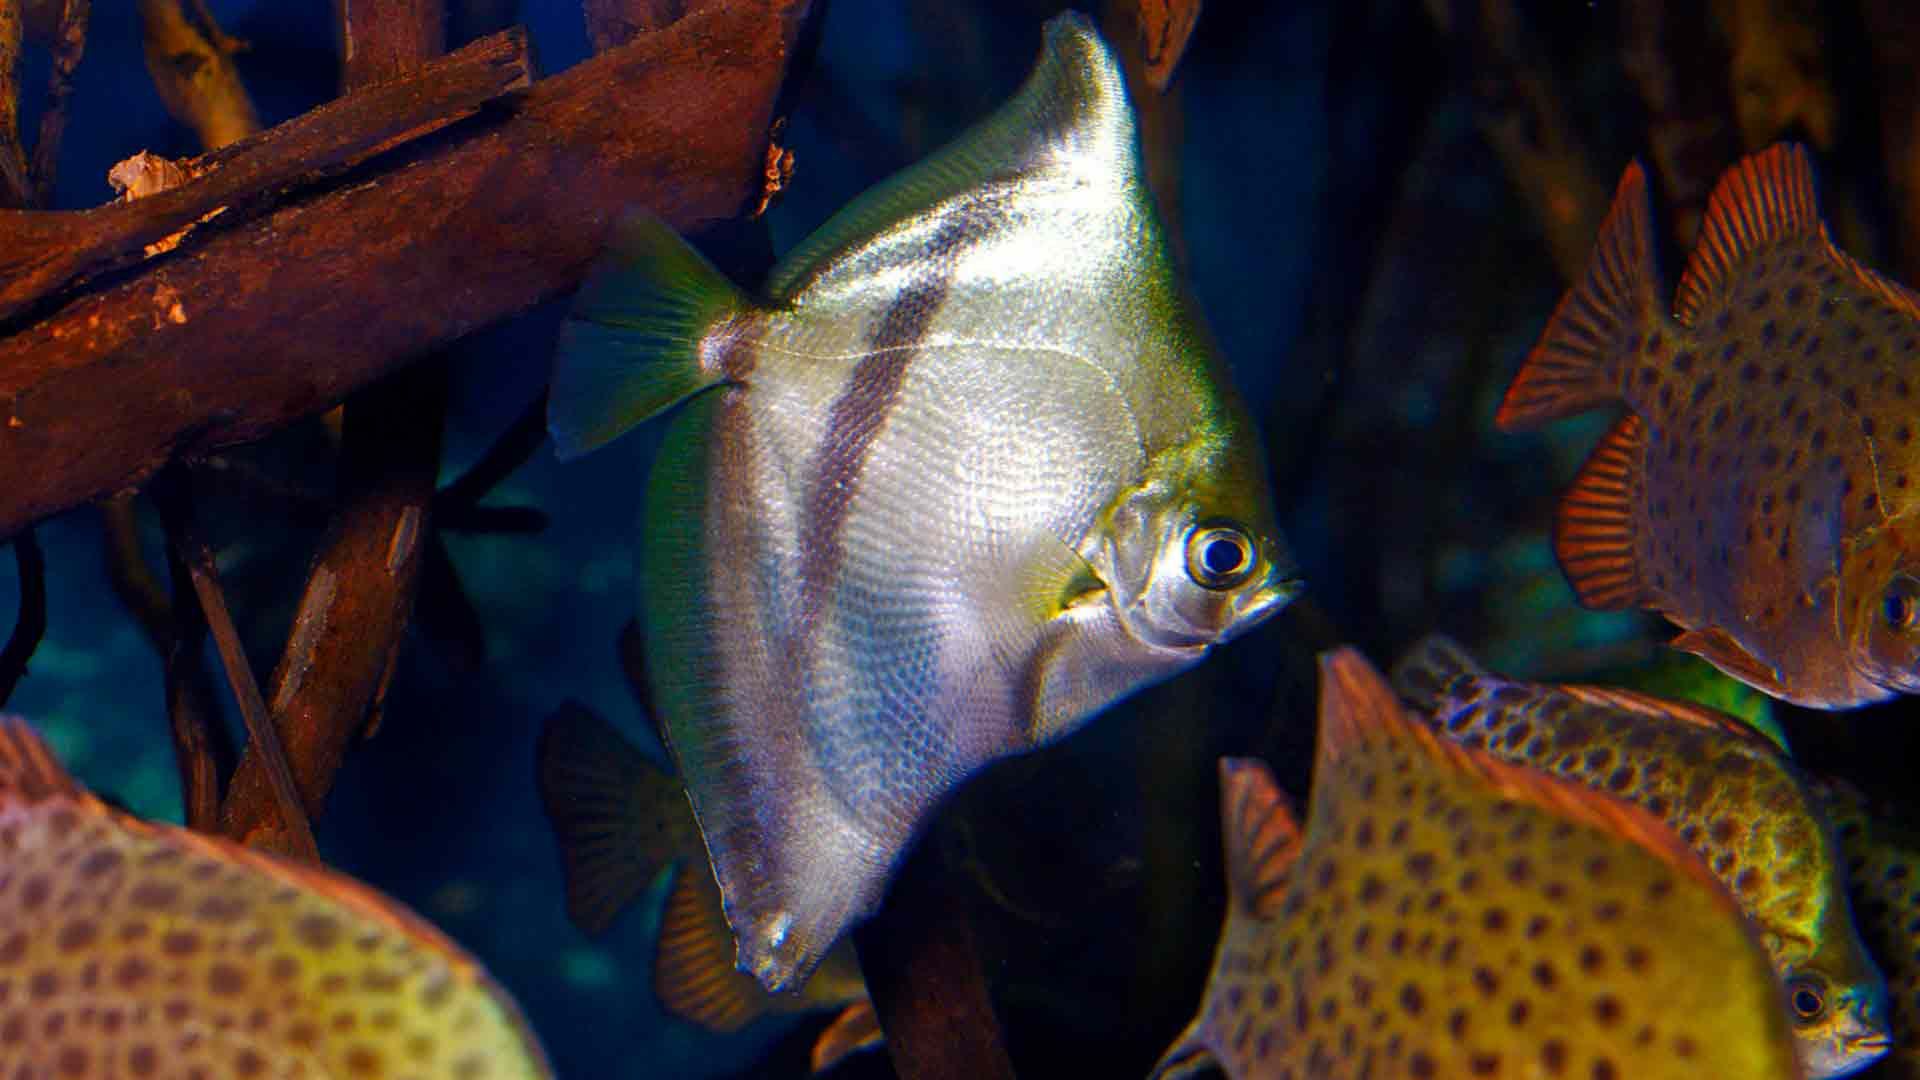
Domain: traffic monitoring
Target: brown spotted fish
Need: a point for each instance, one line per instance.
(1447, 914)
(133, 949)
(623, 824)
(1883, 875)
(1727, 791)
(1762, 490)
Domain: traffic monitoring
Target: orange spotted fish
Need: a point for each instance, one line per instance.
(133, 949)
(1762, 489)
(1450, 915)
(622, 823)
(1726, 790)
(1883, 872)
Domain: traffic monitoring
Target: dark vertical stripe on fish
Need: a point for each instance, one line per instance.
(861, 411)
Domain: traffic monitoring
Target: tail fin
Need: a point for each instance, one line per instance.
(1422, 676)
(633, 345)
(1577, 364)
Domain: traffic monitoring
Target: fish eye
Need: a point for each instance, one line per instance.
(1808, 1000)
(1900, 607)
(1219, 556)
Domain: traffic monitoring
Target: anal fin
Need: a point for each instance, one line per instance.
(693, 971)
(1717, 647)
(1595, 529)
(857, 1028)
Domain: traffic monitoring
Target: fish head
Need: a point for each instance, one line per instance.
(1192, 557)
(1838, 1026)
(1880, 596)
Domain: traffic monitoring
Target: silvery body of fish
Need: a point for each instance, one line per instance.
(970, 472)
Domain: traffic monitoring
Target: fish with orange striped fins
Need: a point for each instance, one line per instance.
(135, 949)
(1446, 914)
(1763, 489)
(1728, 791)
(623, 824)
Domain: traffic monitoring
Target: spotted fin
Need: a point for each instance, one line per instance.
(1717, 647)
(1764, 200)
(1594, 528)
(29, 772)
(1262, 836)
(1577, 364)
(632, 347)
(693, 969)
(1426, 671)
(590, 778)
(1686, 712)
(857, 1028)
(1359, 712)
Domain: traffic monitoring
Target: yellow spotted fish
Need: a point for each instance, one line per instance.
(1450, 915)
(1726, 790)
(623, 824)
(967, 473)
(1883, 875)
(1763, 489)
(131, 949)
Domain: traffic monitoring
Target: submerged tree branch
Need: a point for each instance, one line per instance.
(192, 67)
(31, 624)
(69, 44)
(15, 188)
(249, 328)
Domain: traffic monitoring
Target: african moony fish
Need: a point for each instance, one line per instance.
(132, 949)
(1446, 914)
(968, 473)
(623, 824)
(1729, 792)
(1763, 488)
(1883, 876)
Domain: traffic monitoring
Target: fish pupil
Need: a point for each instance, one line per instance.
(1223, 556)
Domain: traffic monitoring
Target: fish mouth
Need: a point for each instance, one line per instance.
(1265, 601)
(1876, 1044)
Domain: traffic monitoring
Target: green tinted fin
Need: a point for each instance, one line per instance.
(1074, 96)
(645, 333)
(857, 1028)
(1423, 675)
(594, 784)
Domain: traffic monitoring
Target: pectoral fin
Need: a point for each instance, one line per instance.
(1717, 647)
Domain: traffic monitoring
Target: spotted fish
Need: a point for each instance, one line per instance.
(1763, 489)
(1450, 915)
(968, 473)
(1883, 876)
(623, 824)
(1727, 791)
(132, 949)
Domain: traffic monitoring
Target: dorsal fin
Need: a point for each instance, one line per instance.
(1359, 715)
(1764, 199)
(1260, 833)
(1686, 712)
(1429, 667)
(1074, 99)
(28, 770)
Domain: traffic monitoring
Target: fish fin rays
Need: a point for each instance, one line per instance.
(1594, 529)
(632, 345)
(1763, 200)
(857, 1028)
(693, 964)
(593, 782)
(28, 770)
(1074, 97)
(1261, 835)
(1717, 647)
(1359, 709)
(1624, 698)
(1577, 364)
(1425, 671)
(1188, 1056)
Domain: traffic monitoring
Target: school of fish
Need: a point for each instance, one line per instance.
(967, 471)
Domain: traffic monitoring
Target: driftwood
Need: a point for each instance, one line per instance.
(247, 328)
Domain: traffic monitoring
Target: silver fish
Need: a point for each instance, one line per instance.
(970, 472)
